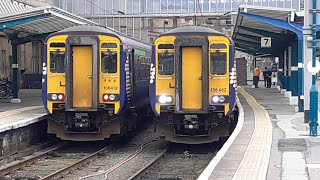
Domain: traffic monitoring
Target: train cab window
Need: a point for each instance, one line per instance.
(218, 64)
(109, 62)
(166, 63)
(57, 61)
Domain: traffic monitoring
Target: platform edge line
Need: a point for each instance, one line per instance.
(220, 154)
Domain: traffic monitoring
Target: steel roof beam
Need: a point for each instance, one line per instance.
(279, 36)
(10, 24)
(36, 37)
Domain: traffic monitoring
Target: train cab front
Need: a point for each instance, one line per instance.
(83, 87)
(190, 82)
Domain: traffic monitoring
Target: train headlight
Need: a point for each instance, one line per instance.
(54, 97)
(112, 97)
(222, 99)
(163, 99)
(215, 99)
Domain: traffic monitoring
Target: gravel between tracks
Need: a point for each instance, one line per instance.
(182, 162)
(118, 152)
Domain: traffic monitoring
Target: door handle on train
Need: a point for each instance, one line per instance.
(200, 78)
(89, 76)
(170, 86)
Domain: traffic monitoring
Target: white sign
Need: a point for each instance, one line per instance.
(313, 70)
(266, 42)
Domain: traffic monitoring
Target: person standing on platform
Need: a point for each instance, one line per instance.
(256, 73)
(269, 77)
(265, 77)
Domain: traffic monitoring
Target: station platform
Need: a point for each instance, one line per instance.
(16, 115)
(271, 141)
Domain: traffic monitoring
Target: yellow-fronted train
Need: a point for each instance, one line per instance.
(95, 83)
(193, 85)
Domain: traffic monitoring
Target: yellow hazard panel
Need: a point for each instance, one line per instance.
(55, 66)
(109, 68)
(219, 67)
(165, 75)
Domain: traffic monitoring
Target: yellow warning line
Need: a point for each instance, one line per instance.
(254, 164)
(16, 111)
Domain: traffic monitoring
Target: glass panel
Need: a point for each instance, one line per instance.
(191, 6)
(142, 6)
(102, 5)
(69, 6)
(199, 5)
(135, 6)
(150, 7)
(171, 6)
(109, 62)
(88, 8)
(178, 6)
(218, 63)
(156, 6)
(109, 45)
(57, 61)
(164, 6)
(165, 46)
(129, 6)
(206, 6)
(166, 63)
(213, 7)
(218, 46)
(81, 6)
(185, 6)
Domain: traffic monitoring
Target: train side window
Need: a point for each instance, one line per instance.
(218, 65)
(166, 63)
(109, 62)
(57, 61)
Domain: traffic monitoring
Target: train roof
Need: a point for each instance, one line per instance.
(89, 29)
(193, 30)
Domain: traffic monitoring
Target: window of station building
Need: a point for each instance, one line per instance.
(109, 62)
(57, 62)
(166, 63)
(218, 63)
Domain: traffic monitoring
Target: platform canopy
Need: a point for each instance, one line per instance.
(254, 23)
(22, 23)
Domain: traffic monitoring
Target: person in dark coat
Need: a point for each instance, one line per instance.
(269, 76)
(265, 77)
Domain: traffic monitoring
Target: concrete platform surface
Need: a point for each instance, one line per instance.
(293, 155)
(16, 115)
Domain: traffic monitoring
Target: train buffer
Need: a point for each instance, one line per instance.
(271, 141)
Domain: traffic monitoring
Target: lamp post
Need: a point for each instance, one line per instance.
(313, 123)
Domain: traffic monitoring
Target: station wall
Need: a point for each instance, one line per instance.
(29, 59)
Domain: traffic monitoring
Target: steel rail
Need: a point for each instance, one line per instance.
(144, 169)
(74, 165)
(27, 161)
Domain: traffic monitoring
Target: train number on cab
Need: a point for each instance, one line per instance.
(218, 90)
(111, 87)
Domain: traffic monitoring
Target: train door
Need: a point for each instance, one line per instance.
(82, 76)
(191, 78)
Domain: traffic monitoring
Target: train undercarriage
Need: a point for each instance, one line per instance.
(195, 127)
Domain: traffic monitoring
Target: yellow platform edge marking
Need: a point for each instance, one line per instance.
(255, 162)
(16, 111)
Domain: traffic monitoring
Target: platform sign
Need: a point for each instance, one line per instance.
(266, 42)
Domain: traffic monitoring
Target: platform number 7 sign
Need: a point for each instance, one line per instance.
(266, 42)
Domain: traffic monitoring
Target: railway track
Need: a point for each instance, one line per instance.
(51, 164)
(179, 162)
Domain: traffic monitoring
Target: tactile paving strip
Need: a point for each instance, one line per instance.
(254, 164)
